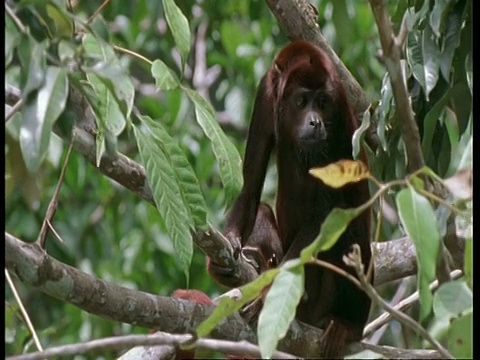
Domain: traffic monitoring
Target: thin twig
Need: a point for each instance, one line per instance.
(90, 19)
(403, 305)
(380, 330)
(52, 206)
(23, 311)
(130, 52)
(338, 270)
(57, 235)
(15, 108)
(159, 338)
(15, 19)
(354, 259)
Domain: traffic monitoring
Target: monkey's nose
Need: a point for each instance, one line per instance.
(317, 123)
(315, 120)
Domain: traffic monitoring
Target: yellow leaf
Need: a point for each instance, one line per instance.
(341, 173)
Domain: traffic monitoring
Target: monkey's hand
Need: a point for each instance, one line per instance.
(235, 240)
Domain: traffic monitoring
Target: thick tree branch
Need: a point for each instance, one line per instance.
(391, 58)
(36, 269)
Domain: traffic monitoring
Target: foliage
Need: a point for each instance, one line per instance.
(145, 81)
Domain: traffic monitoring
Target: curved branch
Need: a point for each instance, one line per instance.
(35, 268)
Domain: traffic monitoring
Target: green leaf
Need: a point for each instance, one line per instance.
(460, 337)
(451, 38)
(33, 62)
(185, 176)
(422, 56)
(438, 15)
(461, 157)
(39, 114)
(359, 134)
(418, 219)
(165, 78)
(62, 23)
(228, 158)
(116, 79)
(99, 146)
(469, 72)
(166, 193)
(452, 299)
(383, 111)
(279, 308)
(229, 305)
(332, 228)
(179, 27)
(12, 39)
(111, 85)
(432, 117)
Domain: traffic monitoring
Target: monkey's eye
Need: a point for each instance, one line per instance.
(301, 101)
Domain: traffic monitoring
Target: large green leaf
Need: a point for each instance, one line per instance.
(451, 299)
(12, 38)
(39, 114)
(115, 77)
(383, 111)
(165, 78)
(431, 119)
(179, 27)
(228, 158)
(451, 38)
(359, 134)
(33, 62)
(332, 228)
(460, 336)
(111, 85)
(167, 194)
(279, 308)
(185, 176)
(418, 219)
(423, 57)
(228, 305)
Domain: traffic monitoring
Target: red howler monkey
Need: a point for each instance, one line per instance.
(301, 109)
(263, 248)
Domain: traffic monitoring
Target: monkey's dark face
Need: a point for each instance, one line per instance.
(306, 112)
(305, 119)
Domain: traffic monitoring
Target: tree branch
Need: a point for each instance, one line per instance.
(35, 268)
(121, 342)
(391, 58)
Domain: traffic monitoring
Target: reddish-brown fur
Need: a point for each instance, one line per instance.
(301, 110)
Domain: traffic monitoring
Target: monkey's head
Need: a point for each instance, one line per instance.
(310, 102)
